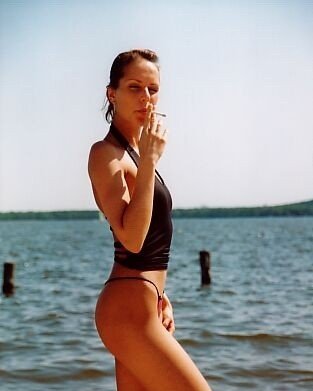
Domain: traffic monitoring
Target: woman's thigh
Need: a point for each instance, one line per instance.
(125, 380)
(157, 360)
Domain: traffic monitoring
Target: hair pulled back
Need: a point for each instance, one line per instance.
(117, 72)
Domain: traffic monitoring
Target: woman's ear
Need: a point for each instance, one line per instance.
(111, 95)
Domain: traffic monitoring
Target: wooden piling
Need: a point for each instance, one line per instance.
(8, 279)
(205, 264)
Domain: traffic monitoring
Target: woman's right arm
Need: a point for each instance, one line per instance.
(128, 214)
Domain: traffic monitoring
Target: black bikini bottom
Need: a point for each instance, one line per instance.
(160, 298)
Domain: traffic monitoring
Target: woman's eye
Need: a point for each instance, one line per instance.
(138, 88)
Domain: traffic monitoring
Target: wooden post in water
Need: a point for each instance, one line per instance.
(205, 263)
(8, 279)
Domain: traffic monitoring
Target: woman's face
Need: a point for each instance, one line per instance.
(138, 87)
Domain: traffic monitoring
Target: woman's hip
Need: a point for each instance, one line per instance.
(127, 302)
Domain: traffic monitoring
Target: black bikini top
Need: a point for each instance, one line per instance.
(155, 251)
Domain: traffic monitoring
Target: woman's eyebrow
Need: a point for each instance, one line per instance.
(140, 81)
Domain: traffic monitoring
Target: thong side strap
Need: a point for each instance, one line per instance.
(135, 278)
(160, 298)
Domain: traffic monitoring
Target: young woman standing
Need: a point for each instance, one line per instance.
(134, 317)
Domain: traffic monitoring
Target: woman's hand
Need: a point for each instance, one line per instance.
(167, 315)
(153, 137)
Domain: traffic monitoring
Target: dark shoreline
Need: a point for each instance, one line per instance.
(296, 209)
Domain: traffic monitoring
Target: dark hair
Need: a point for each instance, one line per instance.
(117, 72)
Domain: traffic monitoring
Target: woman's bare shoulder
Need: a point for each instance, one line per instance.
(104, 149)
(105, 153)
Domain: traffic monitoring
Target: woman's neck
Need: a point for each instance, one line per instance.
(129, 131)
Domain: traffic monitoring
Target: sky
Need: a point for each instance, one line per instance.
(236, 85)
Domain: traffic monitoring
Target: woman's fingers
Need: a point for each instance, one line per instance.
(147, 121)
(169, 325)
(153, 137)
(159, 126)
(153, 123)
(161, 131)
(171, 328)
(168, 320)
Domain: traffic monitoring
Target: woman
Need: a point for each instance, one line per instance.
(134, 317)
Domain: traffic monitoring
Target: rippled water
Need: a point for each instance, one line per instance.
(251, 329)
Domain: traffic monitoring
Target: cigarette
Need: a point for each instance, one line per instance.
(160, 114)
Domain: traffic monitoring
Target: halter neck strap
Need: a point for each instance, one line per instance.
(125, 144)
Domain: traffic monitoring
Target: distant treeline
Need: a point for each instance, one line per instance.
(299, 209)
(52, 215)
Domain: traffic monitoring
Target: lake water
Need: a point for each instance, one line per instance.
(251, 329)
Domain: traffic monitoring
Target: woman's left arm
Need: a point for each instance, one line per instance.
(167, 315)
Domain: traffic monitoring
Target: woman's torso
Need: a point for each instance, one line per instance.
(130, 171)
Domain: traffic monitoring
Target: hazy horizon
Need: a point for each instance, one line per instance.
(196, 207)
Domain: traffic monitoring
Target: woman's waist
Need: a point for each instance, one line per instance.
(148, 259)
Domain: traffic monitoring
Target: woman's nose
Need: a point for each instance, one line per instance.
(146, 95)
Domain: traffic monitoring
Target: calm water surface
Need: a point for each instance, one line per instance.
(251, 329)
